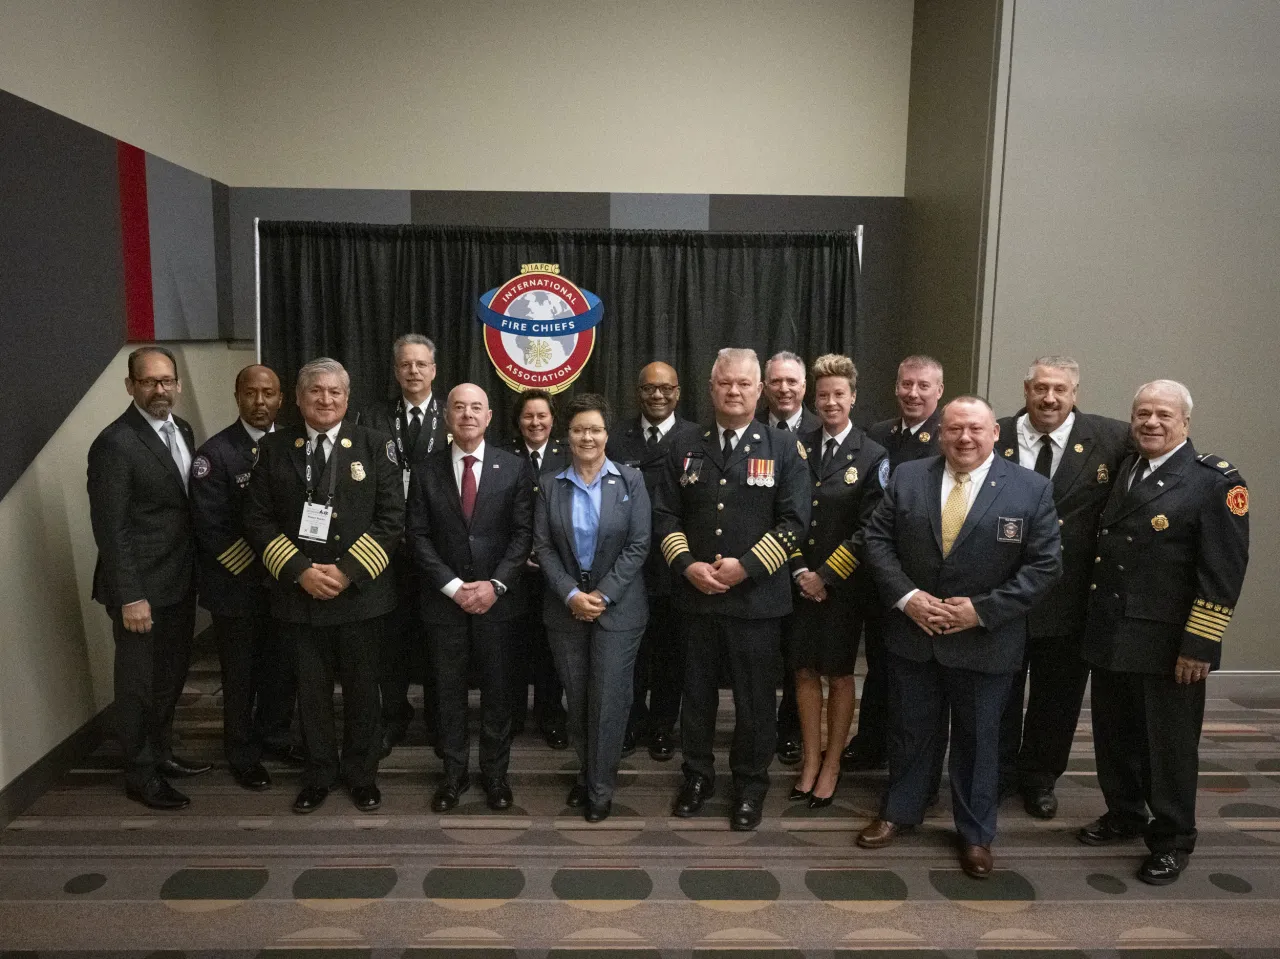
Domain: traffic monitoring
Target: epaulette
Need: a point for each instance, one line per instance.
(1215, 462)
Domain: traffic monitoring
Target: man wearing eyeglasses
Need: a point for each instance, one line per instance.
(659, 672)
(145, 576)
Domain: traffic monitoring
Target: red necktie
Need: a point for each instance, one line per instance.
(468, 487)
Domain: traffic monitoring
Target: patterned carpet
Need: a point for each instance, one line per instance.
(86, 872)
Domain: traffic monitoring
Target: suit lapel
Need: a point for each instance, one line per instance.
(934, 501)
(1072, 462)
(844, 454)
(446, 485)
(490, 474)
(152, 441)
(610, 493)
(982, 502)
(1166, 478)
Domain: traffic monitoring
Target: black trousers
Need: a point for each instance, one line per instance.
(1035, 750)
(485, 646)
(788, 709)
(659, 673)
(258, 687)
(1146, 737)
(873, 707)
(348, 653)
(530, 661)
(751, 649)
(406, 660)
(150, 669)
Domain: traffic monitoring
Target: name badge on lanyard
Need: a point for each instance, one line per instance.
(316, 516)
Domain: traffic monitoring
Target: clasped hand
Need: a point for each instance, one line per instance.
(587, 607)
(717, 577)
(811, 586)
(323, 580)
(939, 616)
(476, 598)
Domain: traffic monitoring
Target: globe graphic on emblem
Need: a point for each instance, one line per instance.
(539, 353)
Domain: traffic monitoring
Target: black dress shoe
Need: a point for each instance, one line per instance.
(447, 794)
(1040, 802)
(661, 745)
(789, 751)
(1163, 868)
(695, 791)
(285, 754)
(181, 768)
(628, 742)
(155, 793)
(822, 802)
(598, 812)
(577, 796)
(255, 777)
(1108, 829)
(855, 760)
(366, 798)
(556, 736)
(497, 794)
(310, 799)
(746, 815)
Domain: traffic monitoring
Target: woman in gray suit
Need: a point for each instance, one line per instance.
(591, 537)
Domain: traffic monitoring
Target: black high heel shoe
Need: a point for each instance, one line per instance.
(796, 795)
(822, 802)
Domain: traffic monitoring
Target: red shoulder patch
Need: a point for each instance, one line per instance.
(1238, 500)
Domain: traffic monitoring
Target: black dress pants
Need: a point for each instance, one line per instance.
(530, 661)
(150, 669)
(1035, 749)
(483, 644)
(873, 707)
(405, 658)
(258, 687)
(659, 673)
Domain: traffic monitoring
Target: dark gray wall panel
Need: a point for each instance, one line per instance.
(62, 282)
(659, 211)
(511, 210)
(222, 258)
(184, 288)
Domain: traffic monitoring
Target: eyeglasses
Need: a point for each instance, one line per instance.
(151, 382)
(581, 431)
(649, 389)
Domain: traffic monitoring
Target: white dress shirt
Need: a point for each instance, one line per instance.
(1029, 442)
(913, 430)
(1156, 462)
(792, 421)
(157, 425)
(424, 408)
(663, 428)
(541, 451)
(477, 470)
(332, 433)
(737, 434)
(256, 434)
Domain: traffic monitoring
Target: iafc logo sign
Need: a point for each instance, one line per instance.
(539, 328)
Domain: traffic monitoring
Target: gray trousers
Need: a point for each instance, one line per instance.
(596, 667)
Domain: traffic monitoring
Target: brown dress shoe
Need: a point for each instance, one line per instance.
(880, 833)
(976, 861)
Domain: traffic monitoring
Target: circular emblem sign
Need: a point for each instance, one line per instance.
(539, 328)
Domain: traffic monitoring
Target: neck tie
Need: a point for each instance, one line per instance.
(536, 460)
(1044, 459)
(468, 487)
(728, 444)
(828, 453)
(782, 425)
(1141, 470)
(171, 440)
(653, 437)
(318, 459)
(954, 510)
(415, 428)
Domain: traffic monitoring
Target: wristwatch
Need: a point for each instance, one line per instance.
(498, 588)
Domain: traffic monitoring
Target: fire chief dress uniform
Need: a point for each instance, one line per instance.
(362, 482)
(1172, 552)
(752, 504)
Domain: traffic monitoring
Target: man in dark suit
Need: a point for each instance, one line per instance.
(961, 547)
(471, 528)
(325, 512)
(1172, 554)
(1080, 453)
(784, 409)
(911, 435)
(415, 420)
(659, 673)
(145, 575)
(258, 687)
(731, 507)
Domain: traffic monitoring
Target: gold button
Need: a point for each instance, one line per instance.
(819, 483)
(810, 542)
(1093, 585)
(719, 505)
(718, 557)
(718, 532)
(1097, 559)
(1128, 539)
(723, 481)
(813, 522)
(1121, 568)
(815, 502)
(1104, 532)
(1059, 522)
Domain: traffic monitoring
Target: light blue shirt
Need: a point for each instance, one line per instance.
(586, 513)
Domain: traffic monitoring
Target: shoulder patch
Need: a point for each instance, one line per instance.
(801, 451)
(1238, 500)
(883, 473)
(200, 467)
(1215, 462)
(391, 452)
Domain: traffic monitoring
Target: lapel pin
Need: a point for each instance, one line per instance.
(1079, 447)
(755, 436)
(299, 443)
(346, 443)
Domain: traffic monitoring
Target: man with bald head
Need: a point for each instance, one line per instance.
(659, 672)
(257, 675)
(961, 547)
(470, 528)
(1173, 546)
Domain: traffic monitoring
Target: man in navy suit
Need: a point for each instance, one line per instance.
(961, 547)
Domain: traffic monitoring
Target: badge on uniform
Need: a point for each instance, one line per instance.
(883, 474)
(1238, 500)
(1008, 452)
(800, 448)
(299, 442)
(242, 479)
(851, 475)
(391, 452)
(1079, 447)
(1009, 529)
(346, 443)
(924, 436)
(357, 471)
(200, 468)
(760, 473)
(692, 467)
(1160, 522)
(1104, 474)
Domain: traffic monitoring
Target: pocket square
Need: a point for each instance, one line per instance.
(625, 497)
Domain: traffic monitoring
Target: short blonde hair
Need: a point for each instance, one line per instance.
(835, 364)
(735, 354)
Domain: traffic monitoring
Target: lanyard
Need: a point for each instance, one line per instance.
(401, 415)
(333, 475)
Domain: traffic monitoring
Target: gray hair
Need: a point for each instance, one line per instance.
(735, 354)
(319, 367)
(968, 399)
(1065, 363)
(411, 339)
(784, 356)
(919, 359)
(1167, 386)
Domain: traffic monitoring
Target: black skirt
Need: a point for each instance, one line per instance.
(823, 637)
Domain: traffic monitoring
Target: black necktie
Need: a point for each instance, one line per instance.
(782, 425)
(828, 452)
(653, 437)
(1044, 459)
(536, 460)
(728, 444)
(415, 428)
(1141, 470)
(317, 460)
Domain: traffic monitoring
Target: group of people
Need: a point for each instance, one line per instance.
(628, 571)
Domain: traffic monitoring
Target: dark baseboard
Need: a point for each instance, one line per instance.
(45, 772)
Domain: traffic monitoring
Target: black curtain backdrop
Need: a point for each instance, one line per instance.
(348, 290)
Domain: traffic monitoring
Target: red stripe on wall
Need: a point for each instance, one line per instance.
(135, 228)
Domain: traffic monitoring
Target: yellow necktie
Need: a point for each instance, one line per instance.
(954, 510)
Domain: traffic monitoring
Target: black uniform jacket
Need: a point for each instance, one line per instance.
(1171, 560)
(808, 421)
(754, 507)
(494, 545)
(555, 457)
(904, 446)
(1095, 448)
(232, 580)
(845, 494)
(630, 447)
(367, 522)
(388, 416)
(140, 515)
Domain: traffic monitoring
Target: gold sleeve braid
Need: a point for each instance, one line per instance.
(673, 544)
(278, 552)
(370, 555)
(842, 561)
(237, 557)
(770, 552)
(1209, 620)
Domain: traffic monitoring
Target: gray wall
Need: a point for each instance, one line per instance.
(1138, 228)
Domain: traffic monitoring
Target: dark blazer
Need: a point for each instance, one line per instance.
(1084, 477)
(1006, 557)
(808, 420)
(140, 515)
(387, 415)
(622, 544)
(495, 545)
(904, 446)
(630, 447)
(555, 456)
(1172, 555)
(368, 520)
(232, 580)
